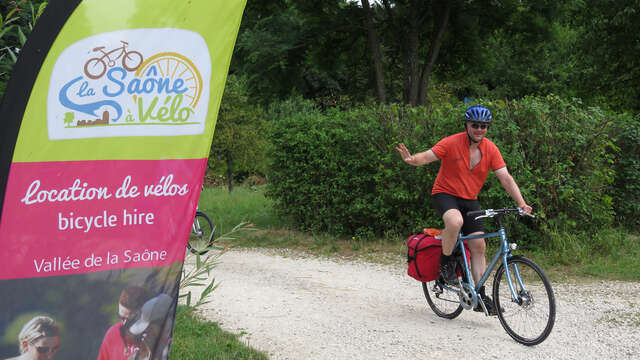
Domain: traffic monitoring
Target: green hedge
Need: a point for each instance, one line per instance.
(337, 171)
(626, 188)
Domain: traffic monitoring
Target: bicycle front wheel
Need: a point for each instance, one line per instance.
(443, 302)
(529, 318)
(202, 234)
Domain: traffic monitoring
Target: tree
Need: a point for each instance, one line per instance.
(374, 46)
(68, 118)
(610, 50)
(239, 143)
(398, 50)
(529, 51)
(315, 49)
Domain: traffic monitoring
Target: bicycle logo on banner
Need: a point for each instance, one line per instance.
(96, 67)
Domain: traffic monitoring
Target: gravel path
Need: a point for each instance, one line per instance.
(297, 307)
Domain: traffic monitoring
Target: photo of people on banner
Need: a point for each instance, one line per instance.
(121, 315)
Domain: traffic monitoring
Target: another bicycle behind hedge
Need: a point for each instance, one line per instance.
(202, 236)
(522, 294)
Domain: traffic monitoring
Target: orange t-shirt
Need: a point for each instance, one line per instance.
(455, 177)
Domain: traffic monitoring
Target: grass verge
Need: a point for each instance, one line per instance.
(196, 339)
(611, 254)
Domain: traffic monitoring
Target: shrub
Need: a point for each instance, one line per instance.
(238, 146)
(338, 171)
(626, 187)
(560, 153)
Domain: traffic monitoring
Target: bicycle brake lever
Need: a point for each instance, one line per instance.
(487, 214)
(521, 212)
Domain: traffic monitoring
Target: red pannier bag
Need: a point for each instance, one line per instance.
(423, 256)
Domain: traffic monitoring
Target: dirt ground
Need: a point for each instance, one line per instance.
(301, 307)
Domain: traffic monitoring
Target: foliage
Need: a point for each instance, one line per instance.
(197, 277)
(320, 49)
(338, 171)
(298, 47)
(626, 187)
(17, 19)
(238, 146)
(243, 204)
(613, 256)
(561, 154)
(512, 70)
(609, 51)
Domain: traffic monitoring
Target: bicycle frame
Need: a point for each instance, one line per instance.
(195, 228)
(503, 254)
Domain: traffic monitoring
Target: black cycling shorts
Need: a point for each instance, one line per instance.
(443, 202)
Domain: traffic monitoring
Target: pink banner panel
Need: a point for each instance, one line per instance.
(76, 217)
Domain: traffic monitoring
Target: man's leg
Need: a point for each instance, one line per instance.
(452, 224)
(478, 261)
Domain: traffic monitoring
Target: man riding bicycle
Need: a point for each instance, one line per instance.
(466, 158)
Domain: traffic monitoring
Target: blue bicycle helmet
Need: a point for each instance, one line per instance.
(478, 113)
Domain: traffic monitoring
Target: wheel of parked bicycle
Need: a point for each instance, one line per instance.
(529, 318)
(202, 234)
(443, 302)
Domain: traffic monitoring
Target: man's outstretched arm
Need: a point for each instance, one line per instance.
(418, 159)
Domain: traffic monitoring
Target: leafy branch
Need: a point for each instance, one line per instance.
(198, 276)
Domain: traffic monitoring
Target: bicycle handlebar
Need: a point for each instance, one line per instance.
(493, 212)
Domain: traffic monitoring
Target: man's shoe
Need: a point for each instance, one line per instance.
(448, 270)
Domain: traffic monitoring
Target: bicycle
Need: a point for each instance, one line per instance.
(522, 294)
(95, 67)
(202, 234)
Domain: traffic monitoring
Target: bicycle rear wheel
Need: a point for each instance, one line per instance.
(529, 318)
(443, 302)
(202, 234)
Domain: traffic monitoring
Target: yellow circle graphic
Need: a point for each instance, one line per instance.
(174, 66)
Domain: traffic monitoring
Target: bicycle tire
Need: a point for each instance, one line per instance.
(131, 55)
(201, 240)
(444, 303)
(91, 64)
(530, 319)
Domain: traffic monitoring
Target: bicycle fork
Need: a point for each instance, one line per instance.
(196, 227)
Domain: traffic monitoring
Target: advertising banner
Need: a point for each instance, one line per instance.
(106, 128)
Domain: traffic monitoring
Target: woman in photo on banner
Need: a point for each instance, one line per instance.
(39, 339)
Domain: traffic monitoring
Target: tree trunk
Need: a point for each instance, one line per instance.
(412, 71)
(434, 49)
(227, 156)
(376, 54)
